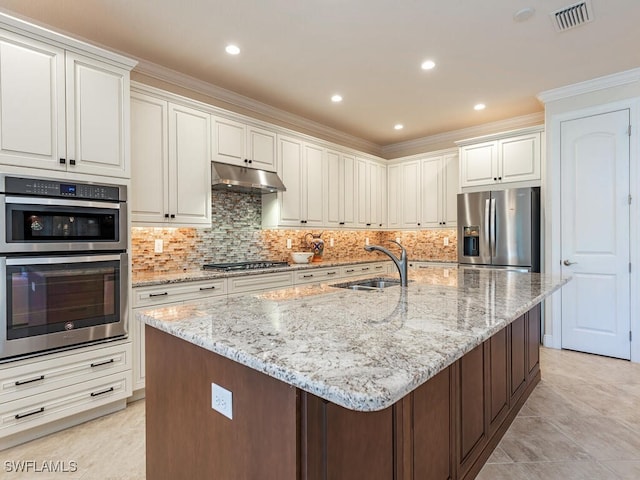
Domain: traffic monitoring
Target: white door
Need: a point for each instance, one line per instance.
(431, 192)
(261, 148)
(595, 234)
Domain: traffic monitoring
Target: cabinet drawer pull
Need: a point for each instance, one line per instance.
(332, 273)
(350, 271)
(341, 223)
(106, 362)
(307, 276)
(212, 287)
(365, 269)
(163, 294)
(108, 390)
(24, 415)
(31, 380)
(378, 267)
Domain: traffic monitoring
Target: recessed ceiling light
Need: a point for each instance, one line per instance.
(398, 126)
(336, 98)
(479, 106)
(428, 65)
(232, 49)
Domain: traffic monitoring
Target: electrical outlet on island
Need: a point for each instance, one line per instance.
(222, 400)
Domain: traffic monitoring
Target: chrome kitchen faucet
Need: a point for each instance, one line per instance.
(401, 263)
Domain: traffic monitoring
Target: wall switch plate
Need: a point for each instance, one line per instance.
(222, 400)
(398, 239)
(331, 242)
(366, 241)
(288, 243)
(446, 241)
(158, 246)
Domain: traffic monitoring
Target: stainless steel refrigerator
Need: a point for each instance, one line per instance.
(500, 228)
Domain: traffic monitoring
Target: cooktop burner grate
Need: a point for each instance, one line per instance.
(255, 265)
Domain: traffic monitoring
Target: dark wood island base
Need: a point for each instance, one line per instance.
(445, 429)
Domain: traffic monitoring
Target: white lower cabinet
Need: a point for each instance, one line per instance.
(256, 283)
(38, 391)
(162, 296)
(317, 275)
(378, 268)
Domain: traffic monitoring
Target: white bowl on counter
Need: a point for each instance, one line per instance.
(301, 257)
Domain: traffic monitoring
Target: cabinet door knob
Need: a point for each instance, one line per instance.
(495, 179)
(250, 161)
(172, 215)
(166, 215)
(62, 161)
(499, 178)
(72, 162)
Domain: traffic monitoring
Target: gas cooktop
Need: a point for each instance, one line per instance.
(254, 265)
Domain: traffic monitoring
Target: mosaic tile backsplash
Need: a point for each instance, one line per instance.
(236, 235)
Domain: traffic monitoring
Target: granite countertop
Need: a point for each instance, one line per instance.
(163, 278)
(363, 350)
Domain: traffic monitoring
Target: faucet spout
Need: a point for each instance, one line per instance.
(401, 263)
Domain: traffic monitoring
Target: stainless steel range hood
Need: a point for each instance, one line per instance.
(243, 179)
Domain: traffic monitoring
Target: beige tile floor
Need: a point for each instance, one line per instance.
(581, 422)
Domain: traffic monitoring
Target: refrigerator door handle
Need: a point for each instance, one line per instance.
(486, 221)
(492, 228)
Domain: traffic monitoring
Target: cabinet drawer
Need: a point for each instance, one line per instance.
(365, 269)
(46, 374)
(46, 407)
(317, 275)
(255, 283)
(164, 294)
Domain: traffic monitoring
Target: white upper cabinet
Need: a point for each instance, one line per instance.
(60, 110)
(340, 189)
(171, 174)
(370, 193)
(411, 195)
(499, 159)
(423, 191)
(301, 166)
(439, 189)
(244, 145)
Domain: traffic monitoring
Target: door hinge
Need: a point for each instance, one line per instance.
(629, 267)
(629, 335)
(629, 130)
(630, 198)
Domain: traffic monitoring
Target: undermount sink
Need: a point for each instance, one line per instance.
(377, 283)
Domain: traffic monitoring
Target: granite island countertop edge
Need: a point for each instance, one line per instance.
(367, 396)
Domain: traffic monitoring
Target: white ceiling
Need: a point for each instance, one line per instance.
(297, 53)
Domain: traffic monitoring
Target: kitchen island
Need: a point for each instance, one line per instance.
(330, 383)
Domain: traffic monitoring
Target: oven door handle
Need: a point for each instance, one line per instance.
(58, 260)
(56, 202)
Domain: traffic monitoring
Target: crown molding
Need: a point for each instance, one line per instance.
(426, 144)
(293, 121)
(588, 86)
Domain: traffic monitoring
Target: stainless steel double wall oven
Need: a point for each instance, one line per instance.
(63, 264)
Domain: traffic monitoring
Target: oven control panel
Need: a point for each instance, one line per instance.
(54, 188)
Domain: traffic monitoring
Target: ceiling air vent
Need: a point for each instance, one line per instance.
(572, 16)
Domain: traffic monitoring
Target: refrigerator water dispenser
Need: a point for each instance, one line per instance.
(471, 241)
